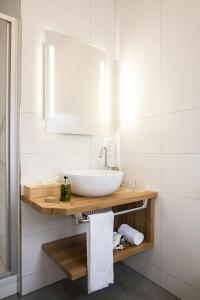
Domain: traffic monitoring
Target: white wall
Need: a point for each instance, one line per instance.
(159, 123)
(46, 155)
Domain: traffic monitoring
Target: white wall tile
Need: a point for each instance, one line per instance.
(111, 76)
(35, 222)
(181, 90)
(143, 167)
(181, 131)
(141, 135)
(103, 39)
(32, 95)
(32, 243)
(78, 7)
(32, 53)
(178, 287)
(44, 167)
(181, 259)
(103, 14)
(38, 280)
(188, 10)
(106, 130)
(67, 23)
(173, 209)
(98, 142)
(53, 17)
(181, 48)
(140, 66)
(28, 8)
(153, 255)
(132, 9)
(112, 1)
(181, 175)
(141, 31)
(34, 139)
(140, 100)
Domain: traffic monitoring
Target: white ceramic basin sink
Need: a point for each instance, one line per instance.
(94, 183)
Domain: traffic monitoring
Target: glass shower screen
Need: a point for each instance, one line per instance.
(4, 144)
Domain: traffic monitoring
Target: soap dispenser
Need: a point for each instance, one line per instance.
(65, 190)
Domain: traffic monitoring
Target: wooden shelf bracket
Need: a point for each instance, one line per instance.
(83, 218)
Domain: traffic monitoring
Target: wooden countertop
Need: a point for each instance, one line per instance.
(83, 204)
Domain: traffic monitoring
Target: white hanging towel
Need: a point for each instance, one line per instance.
(100, 251)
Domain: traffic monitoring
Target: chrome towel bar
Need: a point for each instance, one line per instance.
(83, 218)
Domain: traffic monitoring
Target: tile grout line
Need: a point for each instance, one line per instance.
(180, 237)
(179, 28)
(177, 278)
(139, 15)
(41, 271)
(181, 196)
(72, 225)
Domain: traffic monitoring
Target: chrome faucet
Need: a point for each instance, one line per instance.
(104, 149)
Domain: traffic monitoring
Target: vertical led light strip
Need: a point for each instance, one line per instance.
(102, 92)
(51, 81)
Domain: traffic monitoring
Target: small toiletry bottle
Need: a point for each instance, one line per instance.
(65, 191)
(115, 168)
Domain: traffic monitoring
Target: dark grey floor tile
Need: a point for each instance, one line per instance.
(129, 285)
(14, 297)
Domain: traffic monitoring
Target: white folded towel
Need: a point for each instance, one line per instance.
(100, 251)
(117, 241)
(133, 236)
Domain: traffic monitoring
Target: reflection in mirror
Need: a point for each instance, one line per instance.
(78, 78)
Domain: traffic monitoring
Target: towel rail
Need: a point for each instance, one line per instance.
(83, 218)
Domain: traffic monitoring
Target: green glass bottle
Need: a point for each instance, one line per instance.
(65, 190)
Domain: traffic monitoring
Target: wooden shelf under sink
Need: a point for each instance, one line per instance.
(70, 254)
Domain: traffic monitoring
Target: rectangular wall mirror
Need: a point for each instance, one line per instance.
(77, 79)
